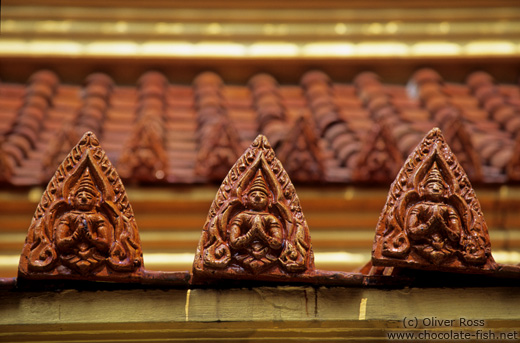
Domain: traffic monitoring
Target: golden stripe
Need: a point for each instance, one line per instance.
(227, 49)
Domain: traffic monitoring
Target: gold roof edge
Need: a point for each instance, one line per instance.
(262, 49)
(252, 33)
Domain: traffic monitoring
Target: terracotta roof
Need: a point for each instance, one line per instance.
(159, 131)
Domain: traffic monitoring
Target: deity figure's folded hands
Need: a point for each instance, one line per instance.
(237, 240)
(273, 237)
(427, 218)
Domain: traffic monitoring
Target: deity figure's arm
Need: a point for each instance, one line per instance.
(453, 224)
(100, 233)
(272, 232)
(237, 240)
(64, 237)
(416, 223)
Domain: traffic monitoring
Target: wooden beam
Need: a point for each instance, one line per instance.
(259, 314)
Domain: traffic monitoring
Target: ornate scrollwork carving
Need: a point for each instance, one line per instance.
(84, 226)
(432, 218)
(255, 225)
(460, 142)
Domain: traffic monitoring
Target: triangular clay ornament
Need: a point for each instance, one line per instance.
(379, 159)
(84, 226)
(219, 147)
(255, 229)
(300, 152)
(432, 218)
(144, 157)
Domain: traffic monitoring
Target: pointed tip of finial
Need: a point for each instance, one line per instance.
(435, 134)
(436, 131)
(260, 137)
(261, 141)
(90, 138)
(88, 134)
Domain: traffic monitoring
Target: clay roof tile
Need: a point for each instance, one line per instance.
(342, 112)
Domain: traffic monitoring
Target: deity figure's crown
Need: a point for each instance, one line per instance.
(259, 184)
(434, 175)
(86, 184)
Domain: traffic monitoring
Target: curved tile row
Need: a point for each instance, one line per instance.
(143, 157)
(343, 113)
(267, 102)
(218, 142)
(25, 131)
(342, 140)
(496, 146)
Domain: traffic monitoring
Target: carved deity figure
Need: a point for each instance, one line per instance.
(432, 223)
(83, 235)
(379, 159)
(84, 227)
(432, 218)
(255, 225)
(255, 234)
